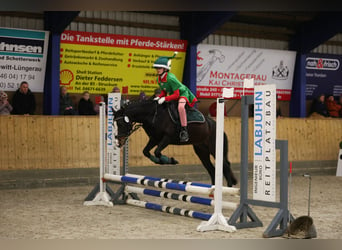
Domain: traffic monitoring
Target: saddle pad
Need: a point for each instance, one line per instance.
(193, 115)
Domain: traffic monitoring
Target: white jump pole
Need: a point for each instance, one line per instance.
(217, 221)
(102, 197)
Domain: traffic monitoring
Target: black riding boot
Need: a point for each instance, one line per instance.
(184, 136)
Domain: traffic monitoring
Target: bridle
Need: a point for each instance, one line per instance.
(130, 128)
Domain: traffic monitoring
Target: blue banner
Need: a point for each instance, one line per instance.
(323, 75)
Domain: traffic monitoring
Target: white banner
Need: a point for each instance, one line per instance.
(227, 67)
(264, 170)
(113, 152)
(23, 56)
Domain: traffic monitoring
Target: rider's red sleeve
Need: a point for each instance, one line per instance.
(162, 93)
(174, 96)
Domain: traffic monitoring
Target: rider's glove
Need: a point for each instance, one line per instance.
(161, 100)
(156, 98)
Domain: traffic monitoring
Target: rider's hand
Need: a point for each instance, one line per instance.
(156, 98)
(161, 100)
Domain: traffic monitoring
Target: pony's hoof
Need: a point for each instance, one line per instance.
(173, 161)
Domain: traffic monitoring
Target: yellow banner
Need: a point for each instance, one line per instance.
(97, 62)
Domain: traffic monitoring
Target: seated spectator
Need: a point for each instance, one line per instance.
(213, 109)
(340, 103)
(5, 106)
(332, 106)
(65, 103)
(23, 101)
(318, 106)
(85, 105)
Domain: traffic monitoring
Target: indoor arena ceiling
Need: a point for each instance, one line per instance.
(273, 25)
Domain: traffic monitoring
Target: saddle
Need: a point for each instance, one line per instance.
(192, 114)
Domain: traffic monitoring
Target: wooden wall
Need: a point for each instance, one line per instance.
(48, 142)
(57, 142)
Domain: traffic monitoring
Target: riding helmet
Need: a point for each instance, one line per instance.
(164, 62)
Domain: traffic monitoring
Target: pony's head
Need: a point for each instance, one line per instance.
(124, 126)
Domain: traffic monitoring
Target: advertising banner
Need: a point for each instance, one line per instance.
(23, 56)
(221, 67)
(97, 62)
(323, 75)
(264, 162)
(113, 152)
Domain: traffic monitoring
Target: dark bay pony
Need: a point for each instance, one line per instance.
(163, 131)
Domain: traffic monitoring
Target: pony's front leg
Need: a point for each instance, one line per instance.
(146, 151)
(163, 158)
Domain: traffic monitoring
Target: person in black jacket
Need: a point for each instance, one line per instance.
(318, 106)
(66, 106)
(23, 101)
(85, 105)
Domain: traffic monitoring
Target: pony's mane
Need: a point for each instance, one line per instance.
(137, 102)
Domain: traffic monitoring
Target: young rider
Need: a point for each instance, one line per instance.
(173, 89)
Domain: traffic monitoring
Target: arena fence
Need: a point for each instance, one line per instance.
(65, 142)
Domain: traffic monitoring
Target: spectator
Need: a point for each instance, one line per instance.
(332, 106)
(340, 103)
(318, 106)
(85, 105)
(142, 96)
(124, 99)
(116, 89)
(157, 92)
(23, 101)
(65, 103)
(98, 100)
(5, 106)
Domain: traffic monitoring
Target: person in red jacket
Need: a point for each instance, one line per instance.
(332, 106)
(340, 103)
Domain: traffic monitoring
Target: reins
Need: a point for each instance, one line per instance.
(155, 113)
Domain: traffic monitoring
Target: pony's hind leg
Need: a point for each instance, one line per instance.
(227, 170)
(228, 173)
(203, 154)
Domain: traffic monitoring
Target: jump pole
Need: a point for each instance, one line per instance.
(225, 190)
(162, 184)
(217, 221)
(179, 197)
(169, 209)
